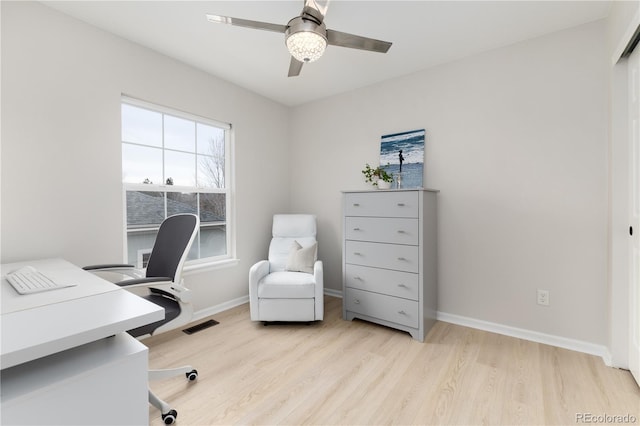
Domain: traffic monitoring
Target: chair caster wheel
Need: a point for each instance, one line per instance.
(192, 375)
(170, 417)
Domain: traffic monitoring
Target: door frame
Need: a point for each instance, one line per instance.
(634, 211)
(619, 205)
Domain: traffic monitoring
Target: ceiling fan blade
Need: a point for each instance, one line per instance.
(320, 6)
(257, 25)
(294, 67)
(312, 11)
(338, 38)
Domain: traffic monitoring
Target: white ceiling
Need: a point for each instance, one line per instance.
(424, 34)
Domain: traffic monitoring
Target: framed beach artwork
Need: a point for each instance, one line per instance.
(404, 154)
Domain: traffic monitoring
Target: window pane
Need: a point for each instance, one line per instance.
(141, 126)
(180, 168)
(141, 164)
(144, 209)
(178, 202)
(194, 251)
(212, 208)
(208, 136)
(211, 143)
(179, 134)
(213, 240)
(211, 171)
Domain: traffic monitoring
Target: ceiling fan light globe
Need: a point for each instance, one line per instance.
(306, 46)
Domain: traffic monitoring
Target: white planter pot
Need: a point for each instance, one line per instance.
(383, 185)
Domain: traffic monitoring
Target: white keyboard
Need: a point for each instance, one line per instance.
(28, 280)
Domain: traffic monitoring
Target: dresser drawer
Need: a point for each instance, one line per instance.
(388, 308)
(385, 204)
(379, 229)
(388, 256)
(393, 283)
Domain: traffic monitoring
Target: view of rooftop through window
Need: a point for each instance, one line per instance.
(173, 163)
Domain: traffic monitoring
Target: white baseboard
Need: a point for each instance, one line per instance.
(332, 292)
(534, 336)
(220, 308)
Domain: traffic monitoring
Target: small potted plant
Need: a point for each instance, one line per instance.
(378, 177)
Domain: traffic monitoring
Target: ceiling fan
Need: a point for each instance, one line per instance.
(306, 36)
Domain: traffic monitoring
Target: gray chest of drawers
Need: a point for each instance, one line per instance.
(389, 258)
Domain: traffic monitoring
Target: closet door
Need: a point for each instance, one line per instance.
(634, 229)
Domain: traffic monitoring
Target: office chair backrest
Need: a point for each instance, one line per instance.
(172, 245)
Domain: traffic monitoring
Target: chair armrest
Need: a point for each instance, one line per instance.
(318, 274)
(318, 271)
(115, 272)
(256, 273)
(143, 282)
(161, 283)
(108, 266)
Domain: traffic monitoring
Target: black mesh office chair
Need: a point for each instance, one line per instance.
(161, 283)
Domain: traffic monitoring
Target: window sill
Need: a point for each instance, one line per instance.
(202, 267)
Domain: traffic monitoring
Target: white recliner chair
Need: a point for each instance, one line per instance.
(289, 286)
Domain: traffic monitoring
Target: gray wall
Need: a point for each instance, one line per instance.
(517, 145)
(61, 166)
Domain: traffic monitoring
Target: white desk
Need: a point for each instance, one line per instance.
(68, 345)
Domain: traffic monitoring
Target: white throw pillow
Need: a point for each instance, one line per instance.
(302, 259)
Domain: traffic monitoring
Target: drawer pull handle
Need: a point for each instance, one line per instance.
(356, 205)
(402, 312)
(357, 278)
(400, 231)
(402, 285)
(357, 301)
(356, 253)
(400, 204)
(356, 229)
(402, 259)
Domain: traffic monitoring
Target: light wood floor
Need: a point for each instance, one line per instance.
(340, 372)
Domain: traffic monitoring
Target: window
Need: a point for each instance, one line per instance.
(175, 163)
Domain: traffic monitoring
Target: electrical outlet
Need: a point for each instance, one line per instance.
(543, 297)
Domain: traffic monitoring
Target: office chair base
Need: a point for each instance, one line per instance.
(187, 370)
(168, 414)
(192, 375)
(170, 417)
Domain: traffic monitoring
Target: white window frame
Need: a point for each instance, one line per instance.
(229, 190)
